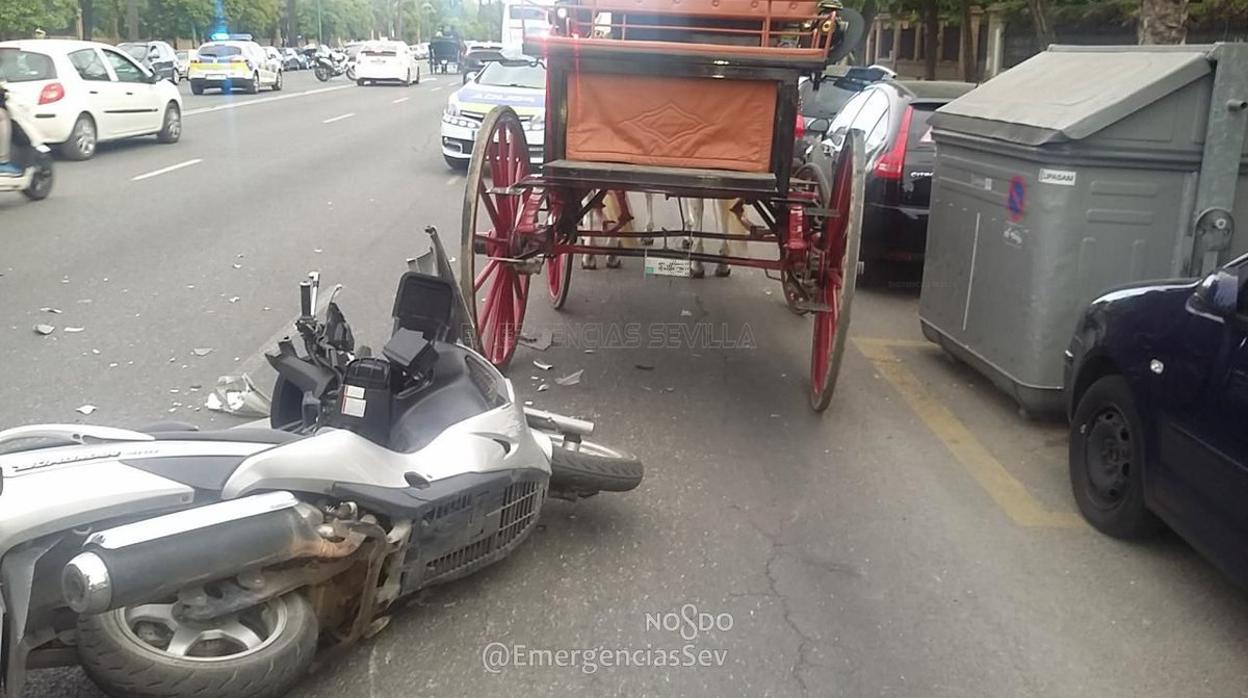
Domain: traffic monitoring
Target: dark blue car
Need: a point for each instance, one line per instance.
(1157, 390)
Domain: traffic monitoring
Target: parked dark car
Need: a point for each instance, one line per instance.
(1157, 392)
(158, 56)
(892, 115)
(292, 59)
(475, 59)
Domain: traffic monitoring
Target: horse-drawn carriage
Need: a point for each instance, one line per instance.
(685, 98)
(444, 51)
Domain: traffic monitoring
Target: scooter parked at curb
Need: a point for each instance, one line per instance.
(332, 64)
(27, 151)
(173, 562)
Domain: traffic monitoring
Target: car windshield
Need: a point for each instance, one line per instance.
(825, 102)
(380, 50)
(136, 51)
(17, 65)
(531, 75)
(219, 51)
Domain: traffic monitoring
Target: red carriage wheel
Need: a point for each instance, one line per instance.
(499, 222)
(558, 266)
(836, 257)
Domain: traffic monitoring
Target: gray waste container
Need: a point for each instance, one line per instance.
(1078, 170)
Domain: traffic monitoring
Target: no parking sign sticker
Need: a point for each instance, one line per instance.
(1016, 200)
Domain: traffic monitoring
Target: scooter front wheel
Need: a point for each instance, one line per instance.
(146, 652)
(585, 468)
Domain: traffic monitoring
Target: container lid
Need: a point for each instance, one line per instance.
(1068, 93)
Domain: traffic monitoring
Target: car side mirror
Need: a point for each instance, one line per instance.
(819, 126)
(471, 76)
(153, 77)
(1219, 292)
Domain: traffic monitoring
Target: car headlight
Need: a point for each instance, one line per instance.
(452, 108)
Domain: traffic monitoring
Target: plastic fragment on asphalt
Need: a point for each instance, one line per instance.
(542, 366)
(74, 330)
(571, 378)
(44, 329)
(644, 367)
(541, 342)
(543, 388)
(686, 313)
(86, 409)
(113, 365)
(234, 299)
(201, 351)
(95, 351)
(317, 250)
(54, 311)
(238, 266)
(589, 351)
(528, 403)
(239, 395)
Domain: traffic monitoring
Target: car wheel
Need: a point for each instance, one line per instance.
(1107, 461)
(254, 86)
(277, 84)
(417, 75)
(171, 129)
(361, 82)
(82, 139)
(197, 88)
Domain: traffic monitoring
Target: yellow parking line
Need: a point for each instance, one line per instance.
(976, 460)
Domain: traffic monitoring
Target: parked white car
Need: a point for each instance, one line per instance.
(228, 65)
(84, 92)
(386, 61)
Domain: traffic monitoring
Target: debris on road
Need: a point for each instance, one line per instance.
(571, 378)
(589, 351)
(541, 342)
(74, 330)
(644, 367)
(55, 311)
(201, 351)
(238, 266)
(528, 403)
(234, 299)
(686, 313)
(44, 329)
(86, 409)
(239, 395)
(543, 388)
(542, 366)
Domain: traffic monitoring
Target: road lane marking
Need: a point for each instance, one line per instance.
(340, 117)
(435, 89)
(1004, 489)
(264, 100)
(164, 170)
(400, 100)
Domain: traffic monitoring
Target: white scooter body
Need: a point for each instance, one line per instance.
(28, 151)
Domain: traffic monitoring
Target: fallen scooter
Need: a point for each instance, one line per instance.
(27, 151)
(172, 562)
(332, 64)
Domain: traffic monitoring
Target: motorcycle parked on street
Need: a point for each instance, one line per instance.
(332, 64)
(27, 151)
(173, 562)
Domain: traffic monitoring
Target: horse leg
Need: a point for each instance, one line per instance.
(696, 209)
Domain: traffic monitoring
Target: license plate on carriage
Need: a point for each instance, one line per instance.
(656, 266)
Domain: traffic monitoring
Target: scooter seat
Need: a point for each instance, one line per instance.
(253, 435)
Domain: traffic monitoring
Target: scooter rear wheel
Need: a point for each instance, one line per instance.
(145, 652)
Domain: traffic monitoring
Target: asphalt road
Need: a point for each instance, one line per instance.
(917, 539)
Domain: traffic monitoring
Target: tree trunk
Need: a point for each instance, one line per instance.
(88, 18)
(970, 61)
(1040, 20)
(931, 33)
(870, 8)
(1163, 22)
(291, 25)
(132, 20)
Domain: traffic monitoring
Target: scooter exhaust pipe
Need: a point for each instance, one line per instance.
(152, 559)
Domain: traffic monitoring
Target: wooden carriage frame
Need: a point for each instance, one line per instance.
(518, 221)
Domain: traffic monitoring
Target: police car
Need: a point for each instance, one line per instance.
(517, 82)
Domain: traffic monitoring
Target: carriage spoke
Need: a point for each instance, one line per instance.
(484, 274)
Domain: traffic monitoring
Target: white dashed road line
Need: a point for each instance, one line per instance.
(164, 170)
(263, 100)
(435, 89)
(400, 100)
(340, 117)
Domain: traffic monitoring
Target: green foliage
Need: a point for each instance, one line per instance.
(20, 18)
